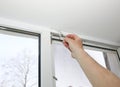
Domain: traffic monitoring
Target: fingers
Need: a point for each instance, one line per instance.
(67, 41)
(72, 36)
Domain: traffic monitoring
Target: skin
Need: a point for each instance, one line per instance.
(97, 75)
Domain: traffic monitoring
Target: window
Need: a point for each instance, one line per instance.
(68, 72)
(19, 58)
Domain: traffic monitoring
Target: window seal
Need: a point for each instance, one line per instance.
(18, 31)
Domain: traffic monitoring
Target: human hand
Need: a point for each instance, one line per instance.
(74, 44)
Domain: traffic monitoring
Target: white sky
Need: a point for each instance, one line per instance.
(11, 45)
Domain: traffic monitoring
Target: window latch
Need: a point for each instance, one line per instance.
(55, 78)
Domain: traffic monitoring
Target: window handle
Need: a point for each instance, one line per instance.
(55, 78)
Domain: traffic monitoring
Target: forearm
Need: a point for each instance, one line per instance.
(97, 75)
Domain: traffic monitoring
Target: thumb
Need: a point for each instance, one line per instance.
(67, 41)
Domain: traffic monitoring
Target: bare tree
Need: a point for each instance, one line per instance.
(19, 69)
(24, 66)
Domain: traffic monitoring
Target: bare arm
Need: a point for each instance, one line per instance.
(97, 75)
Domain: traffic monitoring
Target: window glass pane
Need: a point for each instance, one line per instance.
(18, 61)
(97, 56)
(114, 63)
(68, 71)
